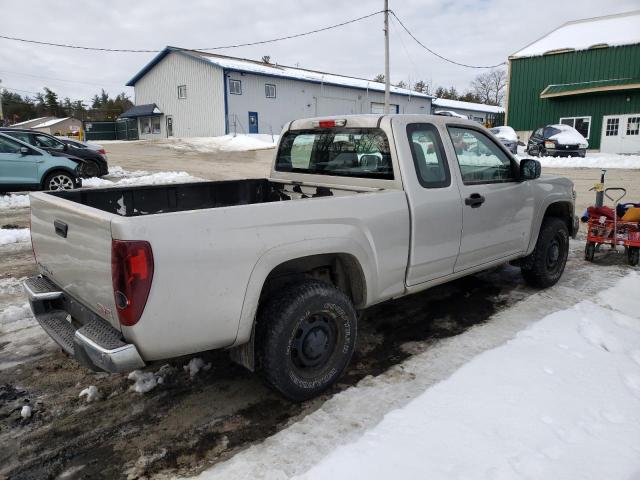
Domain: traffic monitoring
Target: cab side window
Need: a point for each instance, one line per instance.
(479, 158)
(428, 155)
(9, 146)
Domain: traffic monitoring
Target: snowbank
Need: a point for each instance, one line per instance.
(147, 179)
(558, 401)
(226, 143)
(14, 235)
(592, 160)
(13, 201)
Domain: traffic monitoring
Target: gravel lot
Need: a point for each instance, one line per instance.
(187, 424)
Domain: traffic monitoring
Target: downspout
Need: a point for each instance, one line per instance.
(226, 104)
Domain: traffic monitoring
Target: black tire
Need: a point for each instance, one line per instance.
(589, 251)
(59, 181)
(305, 337)
(544, 267)
(633, 256)
(90, 169)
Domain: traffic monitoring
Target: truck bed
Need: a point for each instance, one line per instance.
(132, 201)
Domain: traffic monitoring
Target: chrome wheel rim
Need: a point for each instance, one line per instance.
(60, 182)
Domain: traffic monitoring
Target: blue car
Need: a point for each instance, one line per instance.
(25, 167)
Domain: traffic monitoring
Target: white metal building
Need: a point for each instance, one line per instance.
(473, 111)
(187, 93)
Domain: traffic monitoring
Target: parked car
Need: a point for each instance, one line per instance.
(77, 143)
(557, 141)
(449, 113)
(25, 167)
(94, 165)
(507, 136)
(277, 268)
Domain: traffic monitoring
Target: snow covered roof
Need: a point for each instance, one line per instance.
(146, 110)
(608, 31)
(27, 122)
(51, 122)
(457, 104)
(274, 70)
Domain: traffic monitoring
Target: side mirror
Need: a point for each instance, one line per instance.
(530, 169)
(24, 151)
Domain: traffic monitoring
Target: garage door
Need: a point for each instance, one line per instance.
(378, 108)
(620, 133)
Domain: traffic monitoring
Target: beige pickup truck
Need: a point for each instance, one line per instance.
(357, 210)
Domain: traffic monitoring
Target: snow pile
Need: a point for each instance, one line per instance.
(195, 365)
(226, 143)
(21, 336)
(13, 201)
(14, 235)
(11, 286)
(116, 171)
(558, 401)
(149, 179)
(144, 381)
(91, 392)
(592, 160)
(25, 412)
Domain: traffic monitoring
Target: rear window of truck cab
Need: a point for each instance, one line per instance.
(346, 152)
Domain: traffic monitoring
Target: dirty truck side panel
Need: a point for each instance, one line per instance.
(207, 262)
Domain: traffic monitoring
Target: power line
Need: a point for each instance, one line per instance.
(437, 54)
(260, 42)
(57, 79)
(17, 90)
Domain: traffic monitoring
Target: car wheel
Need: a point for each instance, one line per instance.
(633, 256)
(544, 267)
(90, 169)
(533, 151)
(59, 181)
(305, 338)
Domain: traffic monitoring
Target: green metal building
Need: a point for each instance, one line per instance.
(586, 74)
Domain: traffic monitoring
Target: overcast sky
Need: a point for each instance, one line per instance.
(472, 31)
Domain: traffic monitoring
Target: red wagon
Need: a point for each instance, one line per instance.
(608, 229)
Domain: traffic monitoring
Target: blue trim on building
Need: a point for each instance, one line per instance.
(226, 102)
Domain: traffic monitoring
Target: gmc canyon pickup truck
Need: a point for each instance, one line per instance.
(357, 210)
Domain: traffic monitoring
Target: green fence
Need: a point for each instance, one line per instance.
(126, 129)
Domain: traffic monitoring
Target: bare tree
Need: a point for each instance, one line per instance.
(490, 87)
(401, 84)
(266, 59)
(379, 78)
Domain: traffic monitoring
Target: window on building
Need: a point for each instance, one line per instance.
(480, 159)
(581, 124)
(269, 90)
(182, 91)
(633, 126)
(150, 125)
(235, 87)
(613, 124)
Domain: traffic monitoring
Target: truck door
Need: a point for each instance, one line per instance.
(434, 201)
(497, 209)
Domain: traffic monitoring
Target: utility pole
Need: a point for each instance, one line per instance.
(1, 112)
(386, 57)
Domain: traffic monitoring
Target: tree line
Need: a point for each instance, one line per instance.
(488, 88)
(18, 108)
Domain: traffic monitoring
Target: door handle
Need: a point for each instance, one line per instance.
(61, 228)
(474, 200)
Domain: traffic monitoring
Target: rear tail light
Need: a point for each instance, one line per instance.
(549, 144)
(102, 151)
(329, 123)
(131, 274)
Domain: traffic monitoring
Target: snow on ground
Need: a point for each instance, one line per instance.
(561, 400)
(347, 416)
(592, 160)
(14, 235)
(13, 201)
(226, 143)
(149, 179)
(195, 365)
(91, 392)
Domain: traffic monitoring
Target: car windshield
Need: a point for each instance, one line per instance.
(350, 152)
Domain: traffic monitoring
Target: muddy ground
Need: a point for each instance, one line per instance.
(187, 424)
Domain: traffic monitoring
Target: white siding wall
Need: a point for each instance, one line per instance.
(298, 99)
(201, 114)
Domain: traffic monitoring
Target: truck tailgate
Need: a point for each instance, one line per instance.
(72, 244)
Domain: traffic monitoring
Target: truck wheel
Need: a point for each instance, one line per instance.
(305, 338)
(59, 181)
(633, 256)
(544, 267)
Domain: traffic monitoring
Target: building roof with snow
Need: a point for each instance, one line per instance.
(608, 31)
(274, 70)
(30, 123)
(49, 123)
(459, 105)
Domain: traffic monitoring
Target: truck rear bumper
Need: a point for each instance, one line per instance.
(91, 340)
